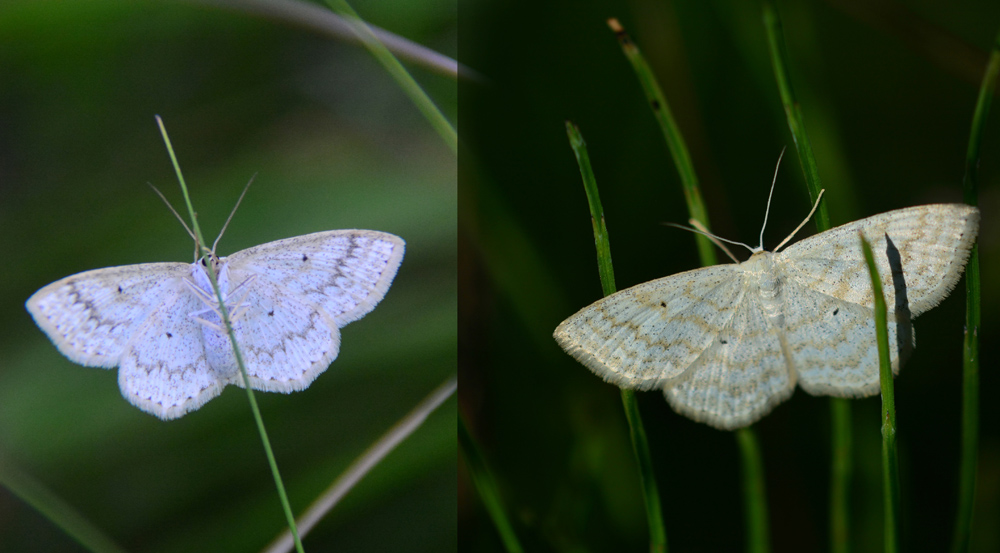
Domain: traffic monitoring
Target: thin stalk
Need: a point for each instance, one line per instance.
(890, 461)
(758, 535)
(319, 19)
(487, 488)
(672, 134)
(793, 113)
(840, 409)
(970, 346)
(754, 497)
(365, 463)
(56, 510)
(602, 241)
(398, 72)
(840, 474)
(637, 432)
(285, 505)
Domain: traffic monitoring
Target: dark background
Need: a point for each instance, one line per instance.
(334, 144)
(887, 91)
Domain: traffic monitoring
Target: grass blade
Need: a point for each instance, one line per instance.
(365, 463)
(637, 432)
(224, 312)
(970, 348)
(840, 409)
(315, 18)
(672, 134)
(56, 509)
(753, 465)
(417, 95)
(758, 535)
(890, 461)
(486, 486)
(779, 61)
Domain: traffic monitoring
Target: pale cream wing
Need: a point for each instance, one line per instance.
(832, 342)
(648, 335)
(91, 316)
(744, 373)
(344, 272)
(919, 250)
(286, 340)
(164, 369)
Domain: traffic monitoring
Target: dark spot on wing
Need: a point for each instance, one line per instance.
(305, 257)
(723, 341)
(835, 311)
(663, 304)
(270, 313)
(119, 289)
(169, 335)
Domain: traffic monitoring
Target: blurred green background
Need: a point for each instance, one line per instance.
(334, 144)
(887, 90)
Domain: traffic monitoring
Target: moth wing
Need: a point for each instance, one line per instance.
(345, 272)
(648, 335)
(91, 316)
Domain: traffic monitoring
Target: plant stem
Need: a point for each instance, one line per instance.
(487, 488)
(224, 312)
(673, 137)
(970, 346)
(890, 461)
(399, 73)
(840, 409)
(758, 536)
(640, 446)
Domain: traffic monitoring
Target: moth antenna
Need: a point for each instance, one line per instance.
(803, 223)
(172, 210)
(767, 211)
(233, 212)
(717, 240)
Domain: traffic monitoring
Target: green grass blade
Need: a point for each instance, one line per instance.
(601, 239)
(890, 461)
(672, 134)
(275, 473)
(486, 486)
(840, 473)
(319, 19)
(758, 535)
(640, 446)
(56, 509)
(970, 349)
(779, 61)
(365, 463)
(755, 499)
(399, 73)
(840, 409)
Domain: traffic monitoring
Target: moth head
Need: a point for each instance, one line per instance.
(211, 261)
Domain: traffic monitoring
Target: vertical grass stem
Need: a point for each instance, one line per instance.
(640, 446)
(285, 505)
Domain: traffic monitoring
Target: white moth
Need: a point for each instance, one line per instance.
(727, 343)
(160, 322)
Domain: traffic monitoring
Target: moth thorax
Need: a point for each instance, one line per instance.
(218, 267)
(761, 271)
